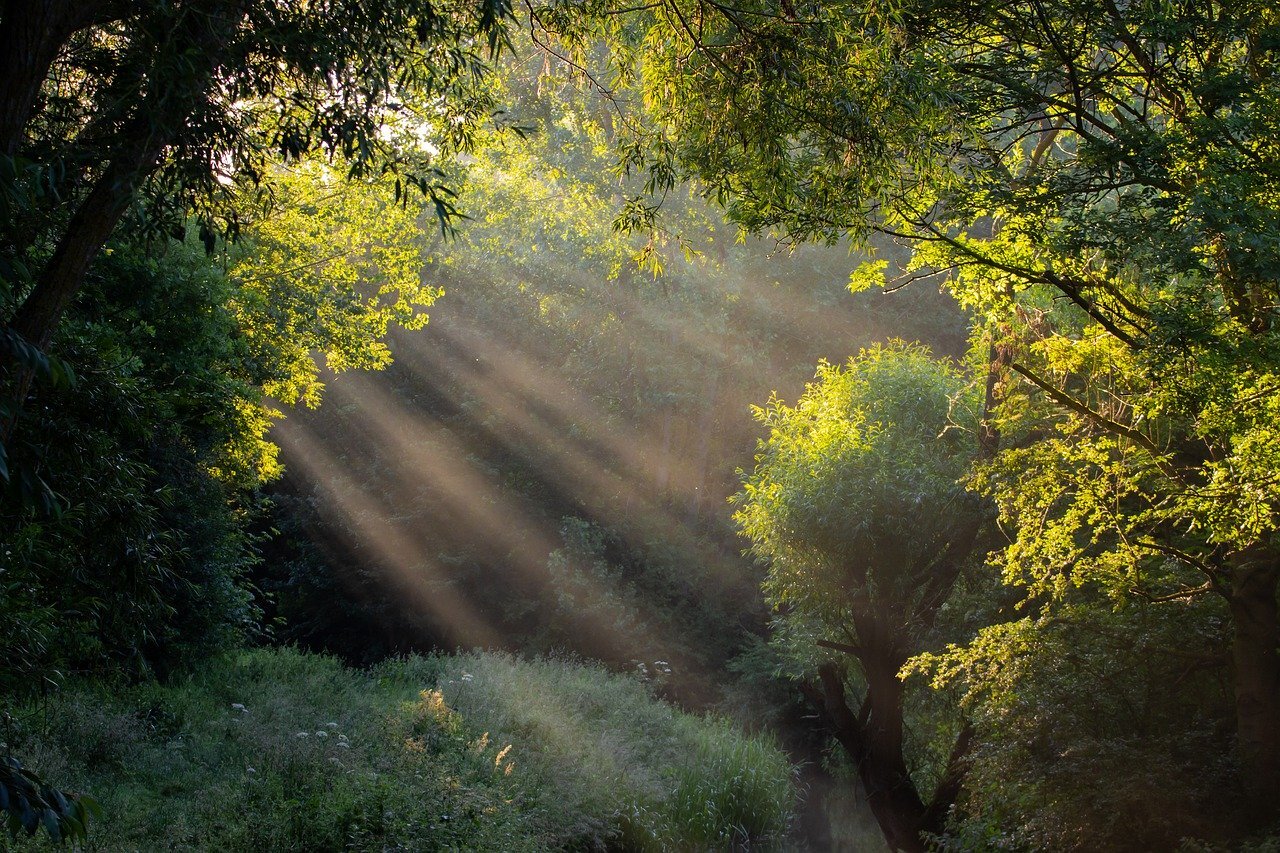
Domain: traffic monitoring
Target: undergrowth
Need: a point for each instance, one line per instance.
(281, 750)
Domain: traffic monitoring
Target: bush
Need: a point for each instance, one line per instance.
(137, 559)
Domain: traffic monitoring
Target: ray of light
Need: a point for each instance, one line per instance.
(428, 451)
(528, 417)
(404, 562)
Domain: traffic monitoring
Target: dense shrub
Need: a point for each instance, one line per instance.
(135, 561)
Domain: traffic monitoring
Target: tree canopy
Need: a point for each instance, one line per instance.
(1097, 182)
(856, 506)
(172, 105)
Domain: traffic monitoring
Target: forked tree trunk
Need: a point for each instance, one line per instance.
(873, 740)
(1256, 661)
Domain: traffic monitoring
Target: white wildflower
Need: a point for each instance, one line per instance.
(342, 744)
(321, 733)
(301, 735)
(237, 706)
(330, 725)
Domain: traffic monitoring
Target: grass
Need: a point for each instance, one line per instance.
(281, 750)
(614, 764)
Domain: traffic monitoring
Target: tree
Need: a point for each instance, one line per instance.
(857, 508)
(1099, 182)
(174, 102)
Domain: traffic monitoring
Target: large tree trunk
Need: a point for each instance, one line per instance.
(137, 148)
(88, 230)
(873, 739)
(1256, 661)
(32, 32)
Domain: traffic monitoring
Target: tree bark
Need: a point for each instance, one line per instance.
(32, 32)
(873, 739)
(1256, 661)
(30, 35)
(88, 230)
(135, 151)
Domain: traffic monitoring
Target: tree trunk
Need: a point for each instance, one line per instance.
(1256, 661)
(873, 739)
(62, 276)
(137, 150)
(30, 35)
(32, 32)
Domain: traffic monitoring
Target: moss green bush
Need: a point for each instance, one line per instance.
(280, 750)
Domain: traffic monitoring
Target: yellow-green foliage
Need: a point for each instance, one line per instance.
(333, 266)
(280, 750)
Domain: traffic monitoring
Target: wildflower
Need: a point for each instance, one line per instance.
(301, 735)
(251, 771)
(321, 733)
(466, 677)
(331, 725)
(342, 738)
(237, 706)
(342, 744)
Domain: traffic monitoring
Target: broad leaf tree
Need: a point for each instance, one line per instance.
(105, 105)
(857, 507)
(1099, 181)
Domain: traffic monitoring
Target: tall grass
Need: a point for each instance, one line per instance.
(280, 750)
(612, 764)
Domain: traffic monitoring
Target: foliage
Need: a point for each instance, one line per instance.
(165, 435)
(573, 421)
(142, 565)
(182, 102)
(328, 268)
(1122, 695)
(857, 508)
(32, 805)
(1098, 182)
(288, 751)
(856, 489)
